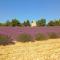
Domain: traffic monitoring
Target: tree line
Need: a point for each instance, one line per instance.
(40, 22)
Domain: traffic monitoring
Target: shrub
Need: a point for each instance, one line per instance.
(24, 37)
(40, 37)
(5, 40)
(53, 35)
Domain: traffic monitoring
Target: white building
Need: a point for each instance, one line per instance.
(33, 24)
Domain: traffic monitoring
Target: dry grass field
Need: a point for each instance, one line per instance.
(39, 50)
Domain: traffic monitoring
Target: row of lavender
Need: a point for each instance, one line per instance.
(13, 32)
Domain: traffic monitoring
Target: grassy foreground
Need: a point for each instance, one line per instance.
(39, 50)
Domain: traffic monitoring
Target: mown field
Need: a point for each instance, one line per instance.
(39, 50)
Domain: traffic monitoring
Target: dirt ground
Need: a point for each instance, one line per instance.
(39, 50)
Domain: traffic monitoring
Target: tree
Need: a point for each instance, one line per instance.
(59, 21)
(41, 22)
(26, 23)
(8, 23)
(15, 22)
(50, 23)
(1, 24)
(54, 23)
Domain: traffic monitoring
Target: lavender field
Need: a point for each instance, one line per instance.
(13, 32)
(25, 34)
(38, 50)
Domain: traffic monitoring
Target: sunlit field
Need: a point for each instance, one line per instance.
(29, 29)
(39, 50)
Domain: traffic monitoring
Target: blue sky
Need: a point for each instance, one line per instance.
(29, 9)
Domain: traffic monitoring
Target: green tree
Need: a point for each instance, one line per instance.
(15, 22)
(54, 23)
(50, 23)
(26, 23)
(1, 24)
(8, 23)
(59, 22)
(41, 22)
